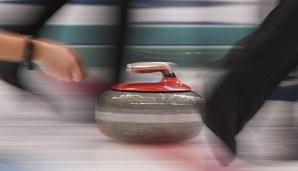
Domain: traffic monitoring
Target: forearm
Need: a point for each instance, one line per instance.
(54, 58)
(12, 47)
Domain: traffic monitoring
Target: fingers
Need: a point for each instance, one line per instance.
(69, 72)
(67, 77)
(77, 74)
(74, 72)
(60, 62)
(77, 71)
(62, 75)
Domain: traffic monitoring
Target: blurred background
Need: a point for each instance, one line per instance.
(190, 33)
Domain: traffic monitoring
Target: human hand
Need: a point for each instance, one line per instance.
(57, 60)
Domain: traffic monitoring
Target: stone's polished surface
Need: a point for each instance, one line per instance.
(149, 117)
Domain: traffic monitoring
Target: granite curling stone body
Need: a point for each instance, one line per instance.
(167, 111)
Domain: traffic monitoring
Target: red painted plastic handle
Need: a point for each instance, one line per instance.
(169, 82)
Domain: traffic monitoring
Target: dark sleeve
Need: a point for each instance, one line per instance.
(269, 54)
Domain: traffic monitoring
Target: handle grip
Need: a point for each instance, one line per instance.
(169, 82)
(149, 67)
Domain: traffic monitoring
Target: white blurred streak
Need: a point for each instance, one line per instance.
(29, 143)
(74, 102)
(19, 107)
(52, 128)
(240, 14)
(271, 135)
(14, 13)
(72, 14)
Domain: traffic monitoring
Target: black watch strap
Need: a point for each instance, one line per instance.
(29, 52)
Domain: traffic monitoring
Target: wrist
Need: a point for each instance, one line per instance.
(38, 48)
(35, 51)
(29, 52)
(41, 50)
